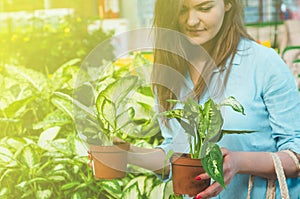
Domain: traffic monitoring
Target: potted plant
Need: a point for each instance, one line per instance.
(122, 108)
(203, 125)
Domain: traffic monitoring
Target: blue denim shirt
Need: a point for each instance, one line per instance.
(264, 85)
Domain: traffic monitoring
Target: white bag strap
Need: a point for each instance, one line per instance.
(271, 189)
(284, 191)
(250, 185)
(294, 158)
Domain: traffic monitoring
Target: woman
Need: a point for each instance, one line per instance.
(253, 74)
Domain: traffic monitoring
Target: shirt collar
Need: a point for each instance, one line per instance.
(239, 53)
(238, 56)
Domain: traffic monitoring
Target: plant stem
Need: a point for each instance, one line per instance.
(191, 146)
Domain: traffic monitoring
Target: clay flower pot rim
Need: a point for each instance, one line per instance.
(121, 147)
(109, 162)
(184, 159)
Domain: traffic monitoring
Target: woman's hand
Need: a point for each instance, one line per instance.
(90, 164)
(230, 168)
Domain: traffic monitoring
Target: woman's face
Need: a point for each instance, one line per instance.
(201, 20)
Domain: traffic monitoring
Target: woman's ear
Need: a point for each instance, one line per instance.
(228, 6)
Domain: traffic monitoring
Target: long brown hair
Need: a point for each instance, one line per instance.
(225, 44)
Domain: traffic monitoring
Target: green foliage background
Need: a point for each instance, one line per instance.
(41, 155)
(45, 44)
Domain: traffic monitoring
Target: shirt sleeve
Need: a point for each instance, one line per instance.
(282, 100)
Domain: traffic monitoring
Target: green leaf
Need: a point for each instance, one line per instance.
(64, 105)
(36, 79)
(4, 191)
(125, 118)
(206, 148)
(146, 90)
(173, 196)
(55, 118)
(13, 108)
(107, 71)
(157, 191)
(15, 142)
(22, 185)
(113, 187)
(43, 194)
(117, 91)
(149, 185)
(168, 190)
(108, 112)
(56, 178)
(140, 181)
(215, 123)
(103, 123)
(192, 108)
(131, 192)
(147, 102)
(213, 165)
(176, 113)
(71, 62)
(234, 104)
(237, 131)
(76, 195)
(206, 115)
(73, 102)
(7, 120)
(38, 180)
(188, 127)
(29, 156)
(149, 129)
(47, 136)
(5, 155)
(27, 193)
(202, 124)
(64, 172)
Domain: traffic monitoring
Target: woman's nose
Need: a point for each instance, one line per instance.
(192, 18)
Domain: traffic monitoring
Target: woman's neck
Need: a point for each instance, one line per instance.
(194, 74)
(209, 46)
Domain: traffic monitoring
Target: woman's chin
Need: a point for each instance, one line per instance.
(195, 40)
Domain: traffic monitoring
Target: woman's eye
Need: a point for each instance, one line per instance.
(204, 8)
(183, 11)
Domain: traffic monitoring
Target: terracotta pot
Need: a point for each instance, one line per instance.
(109, 162)
(184, 171)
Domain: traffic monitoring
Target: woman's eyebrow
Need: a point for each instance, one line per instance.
(197, 5)
(203, 3)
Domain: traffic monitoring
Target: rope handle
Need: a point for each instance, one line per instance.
(271, 189)
(284, 191)
(294, 158)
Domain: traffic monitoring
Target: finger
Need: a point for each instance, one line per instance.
(202, 176)
(212, 191)
(89, 156)
(224, 151)
(90, 164)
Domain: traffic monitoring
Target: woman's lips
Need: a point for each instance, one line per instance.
(194, 31)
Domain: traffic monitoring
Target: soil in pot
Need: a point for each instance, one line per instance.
(184, 171)
(109, 162)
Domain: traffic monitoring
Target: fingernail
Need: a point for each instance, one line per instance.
(198, 197)
(198, 178)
